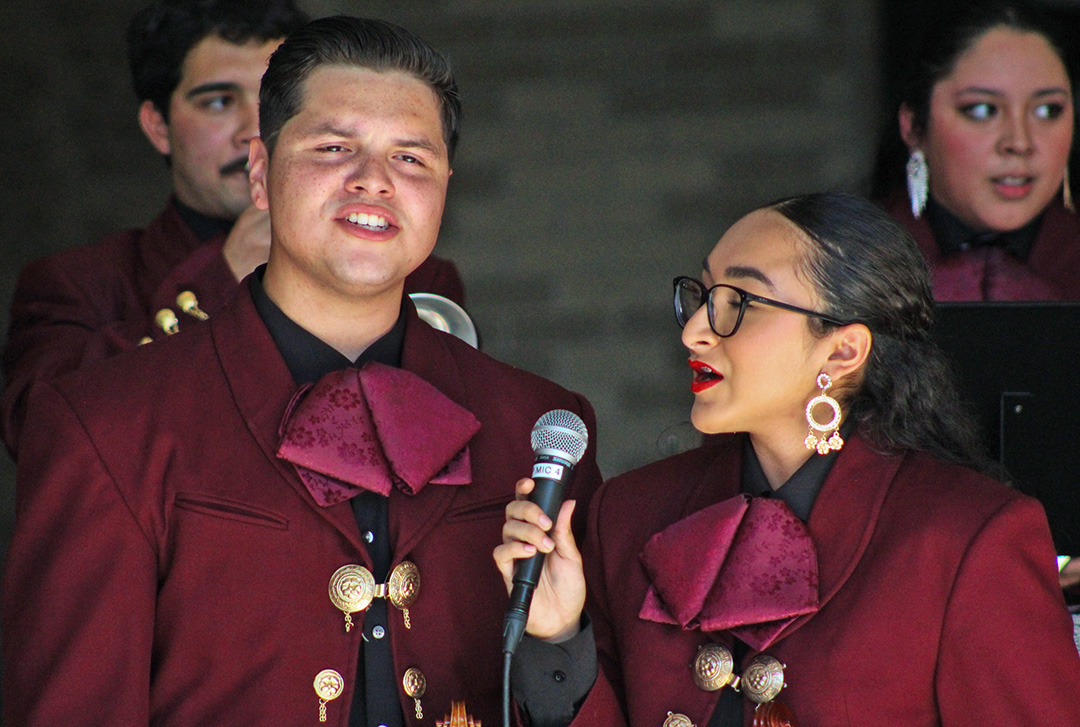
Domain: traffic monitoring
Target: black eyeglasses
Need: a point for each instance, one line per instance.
(725, 316)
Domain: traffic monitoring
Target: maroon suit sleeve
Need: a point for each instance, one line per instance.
(87, 305)
(79, 585)
(1017, 650)
(603, 705)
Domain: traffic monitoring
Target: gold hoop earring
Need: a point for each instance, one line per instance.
(821, 443)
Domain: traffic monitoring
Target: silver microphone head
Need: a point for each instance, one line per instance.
(562, 434)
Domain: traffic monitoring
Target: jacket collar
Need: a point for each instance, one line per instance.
(262, 387)
(844, 515)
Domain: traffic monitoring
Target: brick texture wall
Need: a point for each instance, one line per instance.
(606, 146)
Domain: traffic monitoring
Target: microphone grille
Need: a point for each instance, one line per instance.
(560, 433)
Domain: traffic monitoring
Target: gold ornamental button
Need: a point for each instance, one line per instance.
(762, 679)
(352, 587)
(414, 682)
(677, 720)
(404, 584)
(713, 667)
(329, 684)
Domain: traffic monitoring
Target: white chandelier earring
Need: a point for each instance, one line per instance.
(820, 441)
(918, 182)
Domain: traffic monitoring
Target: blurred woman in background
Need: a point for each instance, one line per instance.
(977, 167)
(834, 554)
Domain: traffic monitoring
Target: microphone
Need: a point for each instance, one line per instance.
(559, 439)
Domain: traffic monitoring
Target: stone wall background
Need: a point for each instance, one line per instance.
(606, 146)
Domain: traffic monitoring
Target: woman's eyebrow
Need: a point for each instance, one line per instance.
(745, 271)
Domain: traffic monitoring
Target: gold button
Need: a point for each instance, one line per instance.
(713, 667)
(677, 720)
(329, 684)
(404, 584)
(762, 679)
(414, 682)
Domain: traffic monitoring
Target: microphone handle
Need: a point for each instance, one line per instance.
(548, 494)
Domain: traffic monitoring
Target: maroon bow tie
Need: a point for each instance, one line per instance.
(373, 428)
(746, 565)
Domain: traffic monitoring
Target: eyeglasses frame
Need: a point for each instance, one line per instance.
(744, 300)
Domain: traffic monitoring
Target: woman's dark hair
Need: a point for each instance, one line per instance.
(949, 32)
(358, 42)
(161, 35)
(867, 269)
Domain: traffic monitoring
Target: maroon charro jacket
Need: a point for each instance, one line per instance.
(168, 569)
(1050, 272)
(92, 302)
(940, 601)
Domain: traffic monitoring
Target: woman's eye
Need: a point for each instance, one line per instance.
(979, 111)
(1049, 111)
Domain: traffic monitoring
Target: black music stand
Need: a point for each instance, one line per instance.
(1018, 366)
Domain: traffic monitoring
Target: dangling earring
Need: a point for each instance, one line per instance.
(918, 182)
(1066, 192)
(820, 443)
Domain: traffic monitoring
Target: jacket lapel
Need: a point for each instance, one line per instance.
(262, 387)
(844, 516)
(426, 355)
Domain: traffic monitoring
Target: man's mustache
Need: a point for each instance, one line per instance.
(236, 166)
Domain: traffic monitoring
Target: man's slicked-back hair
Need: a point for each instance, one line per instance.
(362, 43)
(160, 36)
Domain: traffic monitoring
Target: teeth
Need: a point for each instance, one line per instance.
(1014, 181)
(371, 222)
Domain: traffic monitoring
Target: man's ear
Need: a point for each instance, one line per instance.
(911, 136)
(851, 349)
(258, 169)
(155, 127)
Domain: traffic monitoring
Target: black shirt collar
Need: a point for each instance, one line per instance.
(203, 226)
(308, 357)
(955, 236)
(802, 488)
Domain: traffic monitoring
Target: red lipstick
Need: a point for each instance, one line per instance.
(704, 377)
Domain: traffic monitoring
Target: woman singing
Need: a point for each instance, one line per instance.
(835, 554)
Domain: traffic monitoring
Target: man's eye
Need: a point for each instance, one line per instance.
(409, 159)
(979, 111)
(216, 103)
(332, 148)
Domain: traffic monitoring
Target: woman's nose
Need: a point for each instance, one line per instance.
(697, 334)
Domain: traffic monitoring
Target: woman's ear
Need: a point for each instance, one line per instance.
(906, 118)
(851, 346)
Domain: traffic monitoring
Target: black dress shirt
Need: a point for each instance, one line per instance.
(953, 235)
(203, 226)
(375, 698)
(799, 493)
